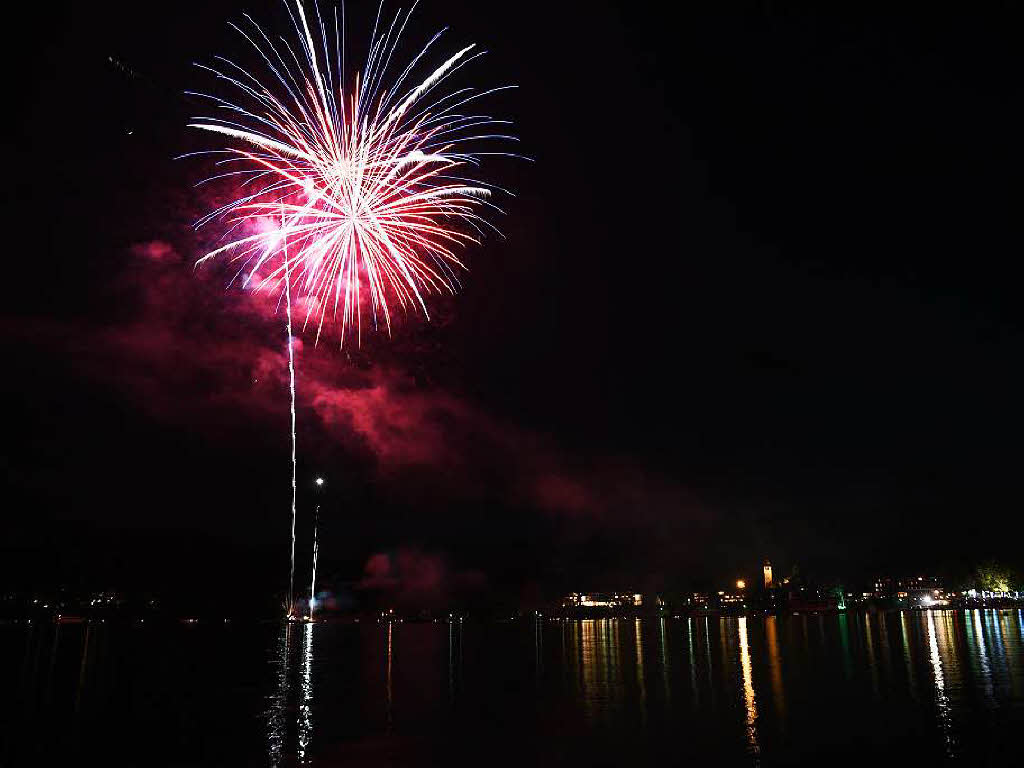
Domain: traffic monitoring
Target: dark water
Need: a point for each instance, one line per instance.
(920, 687)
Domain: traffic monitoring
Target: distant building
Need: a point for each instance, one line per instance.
(602, 600)
(732, 599)
(767, 574)
(910, 591)
(884, 587)
(921, 592)
(812, 599)
(986, 597)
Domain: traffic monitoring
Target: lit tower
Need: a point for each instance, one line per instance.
(767, 574)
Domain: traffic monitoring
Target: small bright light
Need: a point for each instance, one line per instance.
(741, 584)
(319, 481)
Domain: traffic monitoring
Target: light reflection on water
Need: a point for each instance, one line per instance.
(941, 699)
(293, 654)
(775, 664)
(976, 636)
(306, 703)
(744, 685)
(638, 641)
(664, 658)
(277, 702)
(749, 700)
(388, 699)
(693, 663)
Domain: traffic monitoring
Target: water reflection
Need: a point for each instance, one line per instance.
(538, 647)
(277, 702)
(748, 688)
(941, 699)
(663, 642)
(844, 638)
(775, 665)
(977, 634)
(330, 690)
(48, 690)
(451, 661)
(389, 720)
(707, 656)
(602, 667)
(883, 634)
(693, 663)
(638, 641)
(871, 654)
(725, 643)
(82, 668)
(906, 655)
(997, 634)
(1014, 656)
(305, 721)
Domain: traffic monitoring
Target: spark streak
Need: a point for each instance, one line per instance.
(291, 391)
(312, 583)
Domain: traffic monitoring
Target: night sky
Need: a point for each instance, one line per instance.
(757, 297)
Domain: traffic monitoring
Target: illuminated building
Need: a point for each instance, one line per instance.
(732, 599)
(602, 600)
(986, 597)
(919, 592)
(767, 574)
(910, 591)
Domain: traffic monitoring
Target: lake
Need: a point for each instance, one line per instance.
(926, 687)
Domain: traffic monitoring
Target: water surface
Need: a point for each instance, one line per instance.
(927, 687)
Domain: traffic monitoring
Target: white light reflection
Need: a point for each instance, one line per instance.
(277, 703)
(693, 662)
(941, 699)
(305, 718)
(748, 688)
(986, 670)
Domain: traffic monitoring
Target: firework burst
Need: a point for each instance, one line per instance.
(358, 199)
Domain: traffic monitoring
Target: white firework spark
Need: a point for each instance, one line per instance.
(372, 192)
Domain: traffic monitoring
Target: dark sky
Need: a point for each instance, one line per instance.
(757, 298)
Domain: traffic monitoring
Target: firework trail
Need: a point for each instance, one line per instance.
(374, 187)
(312, 583)
(291, 392)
